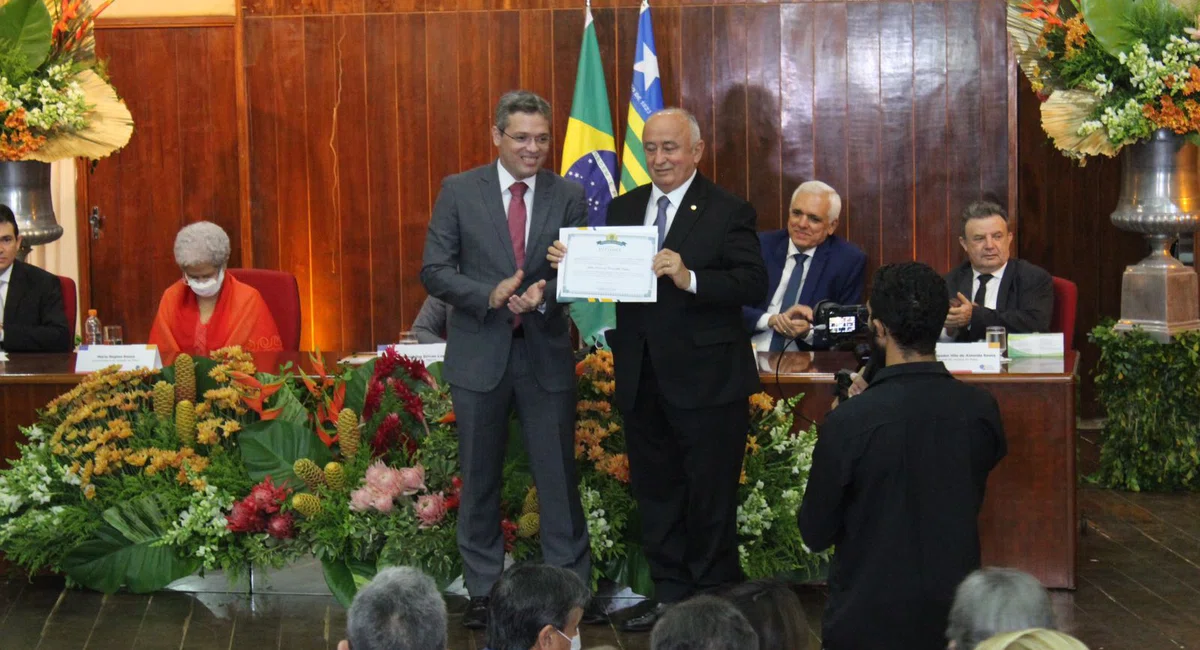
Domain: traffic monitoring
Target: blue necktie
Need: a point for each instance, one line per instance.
(661, 221)
(791, 296)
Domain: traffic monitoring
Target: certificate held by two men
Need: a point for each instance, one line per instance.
(608, 264)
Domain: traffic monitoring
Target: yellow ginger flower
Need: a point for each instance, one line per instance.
(531, 501)
(185, 420)
(164, 400)
(185, 378)
(306, 504)
(308, 471)
(349, 436)
(528, 524)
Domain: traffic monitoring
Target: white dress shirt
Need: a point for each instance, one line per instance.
(4, 278)
(675, 197)
(989, 299)
(763, 332)
(506, 183)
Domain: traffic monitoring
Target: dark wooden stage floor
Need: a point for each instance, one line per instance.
(1139, 589)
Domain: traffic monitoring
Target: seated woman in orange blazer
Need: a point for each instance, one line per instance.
(207, 310)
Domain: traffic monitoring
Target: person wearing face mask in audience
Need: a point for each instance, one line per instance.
(536, 607)
(208, 310)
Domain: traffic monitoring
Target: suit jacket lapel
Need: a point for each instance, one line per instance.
(687, 213)
(17, 286)
(543, 196)
(775, 268)
(641, 199)
(815, 269)
(1006, 284)
(492, 196)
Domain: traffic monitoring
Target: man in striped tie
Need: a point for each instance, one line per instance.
(806, 264)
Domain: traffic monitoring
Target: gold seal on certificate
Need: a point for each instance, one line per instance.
(608, 264)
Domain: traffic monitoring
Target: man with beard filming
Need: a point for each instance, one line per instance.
(898, 477)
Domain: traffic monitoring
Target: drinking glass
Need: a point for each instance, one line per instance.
(113, 335)
(407, 337)
(997, 338)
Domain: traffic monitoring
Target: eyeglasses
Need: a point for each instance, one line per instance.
(524, 139)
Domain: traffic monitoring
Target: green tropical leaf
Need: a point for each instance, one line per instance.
(340, 579)
(1108, 20)
(122, 552)
(26, 25)
(435, 371)
(356, 386)
(293, 408)
(270, 448)
(632, 570)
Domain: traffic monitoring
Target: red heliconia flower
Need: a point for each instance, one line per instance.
(280, 526)
(510, 534)
(387, 434)
(387, 363)
(244, 518)
(374, 399)
(417, 370)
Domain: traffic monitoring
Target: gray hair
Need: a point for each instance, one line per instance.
(703, 623)
(693, 123)
(982, 210)
(203, 242)
(993, 601)
(401, 609)
(817, 188)
(520, 101)
(526, 599)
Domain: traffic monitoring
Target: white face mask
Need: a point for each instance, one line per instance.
(207, 288)
(576, 641)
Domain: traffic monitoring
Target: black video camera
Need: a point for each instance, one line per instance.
(840, 326)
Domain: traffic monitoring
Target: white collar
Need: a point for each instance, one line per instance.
(4, 277)
(792, 250)
(676, 195)
(997, 274)
(507, 179)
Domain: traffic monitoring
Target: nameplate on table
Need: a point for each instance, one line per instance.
(429, 353)
(1035, 346)
(969, 357)
(91, 358)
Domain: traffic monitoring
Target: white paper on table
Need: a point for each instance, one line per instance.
(608, 264)
(1035, 345)
(91, 358)
(969, 357)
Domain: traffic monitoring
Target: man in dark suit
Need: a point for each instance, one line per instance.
(1007, 292)
(32, 317)
(806, 264)
(508, 342)
(684, 367)
(898, 477)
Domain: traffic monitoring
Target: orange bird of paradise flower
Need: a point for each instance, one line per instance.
(255, 394)
(1041, 10)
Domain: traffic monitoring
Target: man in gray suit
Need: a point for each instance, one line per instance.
(508, 341)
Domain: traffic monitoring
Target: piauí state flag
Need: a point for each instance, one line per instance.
(647, 97)
(590, 159)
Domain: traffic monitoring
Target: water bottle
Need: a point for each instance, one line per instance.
(93, 333)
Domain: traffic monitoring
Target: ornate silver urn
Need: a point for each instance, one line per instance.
(1160, 198)
(25, 189)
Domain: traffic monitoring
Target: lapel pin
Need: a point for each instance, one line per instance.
(693, 207)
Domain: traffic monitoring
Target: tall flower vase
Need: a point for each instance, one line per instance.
(1160, 198)
(25, 189)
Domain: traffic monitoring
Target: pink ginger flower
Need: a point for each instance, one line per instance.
(362, 499)
(383, 502)
(430, 509)
(384, 480)
(412, 480)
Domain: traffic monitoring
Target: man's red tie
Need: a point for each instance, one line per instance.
(516, 228)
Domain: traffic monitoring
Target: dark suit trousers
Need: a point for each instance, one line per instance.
(684, 465)
(548, 430)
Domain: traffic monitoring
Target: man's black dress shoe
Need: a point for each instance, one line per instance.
(645, 622)
(475, 618)
(594, 613)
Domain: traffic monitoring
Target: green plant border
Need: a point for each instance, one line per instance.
(1150, 393)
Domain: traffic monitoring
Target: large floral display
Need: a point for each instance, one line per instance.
(136, 479)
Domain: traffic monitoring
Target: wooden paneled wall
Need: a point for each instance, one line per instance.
(179, 81)
(358, 108)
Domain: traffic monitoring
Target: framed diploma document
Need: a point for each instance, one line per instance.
(608, 264)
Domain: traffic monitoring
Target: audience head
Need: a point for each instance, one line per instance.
(703, 623)
(521, 132)
(400, 609)
(908, 307)
(671, 140)
(202, 253)
(985, 236)
(536, 606)
(813, 215)
(774, 611)
(10, 237)
(993, 601)
(1032, 640)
